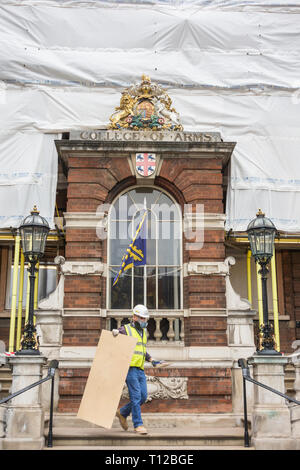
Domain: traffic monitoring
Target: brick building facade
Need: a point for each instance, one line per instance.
(191, 169)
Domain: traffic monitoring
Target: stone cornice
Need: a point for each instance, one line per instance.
(83, 219)
(124, 143)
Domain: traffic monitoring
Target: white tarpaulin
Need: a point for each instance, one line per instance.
(231, 67)
(28, 176)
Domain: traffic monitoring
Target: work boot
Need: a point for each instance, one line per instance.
(141, 430)
(123, 420)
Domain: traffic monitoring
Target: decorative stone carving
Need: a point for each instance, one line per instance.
(145, 106)
(164, 388)
(202, 220)
(49, 316)
(207, 268)
(82, 268)
(234, 300)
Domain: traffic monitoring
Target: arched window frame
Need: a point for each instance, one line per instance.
(180, 265)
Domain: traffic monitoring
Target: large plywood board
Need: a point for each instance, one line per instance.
(106, 379)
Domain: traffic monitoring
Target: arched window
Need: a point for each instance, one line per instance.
(157, 284)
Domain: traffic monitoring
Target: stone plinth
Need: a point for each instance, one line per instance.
(24, 413)
(271, 425)
(294, 408)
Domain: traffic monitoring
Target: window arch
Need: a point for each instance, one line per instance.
(158, 283)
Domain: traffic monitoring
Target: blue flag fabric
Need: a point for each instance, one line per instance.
(136, 252)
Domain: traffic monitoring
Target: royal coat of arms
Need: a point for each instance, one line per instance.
(145, 163)
(145, 106)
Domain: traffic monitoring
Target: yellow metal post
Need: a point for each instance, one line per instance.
(36, 289)
(27, 299)
(275, 301)
(249, 276)
(20, 302)
(14, 295)
(259, 296)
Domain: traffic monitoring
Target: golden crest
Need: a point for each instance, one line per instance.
(145, 106)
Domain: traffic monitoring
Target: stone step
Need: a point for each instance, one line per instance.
(5, 381)
(157, 420)
(171, 437)
(149, 448)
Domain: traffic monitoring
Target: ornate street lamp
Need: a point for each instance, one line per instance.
(34, 230)
(261, 234)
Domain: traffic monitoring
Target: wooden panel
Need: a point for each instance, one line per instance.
(106, 379)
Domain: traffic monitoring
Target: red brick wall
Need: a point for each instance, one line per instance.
(92, 181)
(198, 179)
(82, 331)
(209, 391)
(205, 331)
(291, 277)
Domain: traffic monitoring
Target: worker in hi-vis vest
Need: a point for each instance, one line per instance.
(136, 379)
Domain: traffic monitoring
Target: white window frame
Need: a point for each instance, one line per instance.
(156, 266)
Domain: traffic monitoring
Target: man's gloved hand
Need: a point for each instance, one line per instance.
(155, 363)
(115, 332)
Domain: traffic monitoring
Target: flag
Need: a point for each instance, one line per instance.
(136, 252)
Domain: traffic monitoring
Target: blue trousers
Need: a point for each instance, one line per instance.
(137, 388)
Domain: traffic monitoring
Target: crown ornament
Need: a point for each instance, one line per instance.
(145, 106)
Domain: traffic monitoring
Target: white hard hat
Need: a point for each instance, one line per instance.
(141, 311)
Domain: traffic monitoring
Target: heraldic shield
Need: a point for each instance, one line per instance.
(145, 163)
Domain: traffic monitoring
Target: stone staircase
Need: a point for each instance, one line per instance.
(184, 432)
(5, 381)
(289, 379)
(164, 432)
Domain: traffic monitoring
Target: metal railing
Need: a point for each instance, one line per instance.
(50, 376)
(246, 377)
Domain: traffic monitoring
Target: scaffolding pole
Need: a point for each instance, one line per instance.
(249, 281)
(14, 295)
(20, 302)
(275, 301)
(259, 296)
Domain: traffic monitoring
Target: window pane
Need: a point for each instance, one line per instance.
(120, 209)
(151, 239)
(169, 243)
(121, 292)
(168, 288)
(166, 209)
(151, 288)
(139, 195)
(118, 248)
(46, 283)
(138, 286)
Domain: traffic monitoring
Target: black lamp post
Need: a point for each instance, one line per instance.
(261, 234)
(34, 230)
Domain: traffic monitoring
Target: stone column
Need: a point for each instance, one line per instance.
(271, 425)
(240, 340)
(24, 413)
(294, 408)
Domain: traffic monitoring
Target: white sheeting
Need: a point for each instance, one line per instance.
(231, 67)
(28, 176)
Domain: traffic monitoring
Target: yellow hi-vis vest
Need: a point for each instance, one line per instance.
(139, 355)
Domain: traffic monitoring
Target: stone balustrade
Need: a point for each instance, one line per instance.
(161, 328)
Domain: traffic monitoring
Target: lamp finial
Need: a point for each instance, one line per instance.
(260, 213)
(34, 210)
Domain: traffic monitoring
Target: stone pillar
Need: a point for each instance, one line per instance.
(271, 425)
(294, 408)
(24, 413)
(240, 340)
